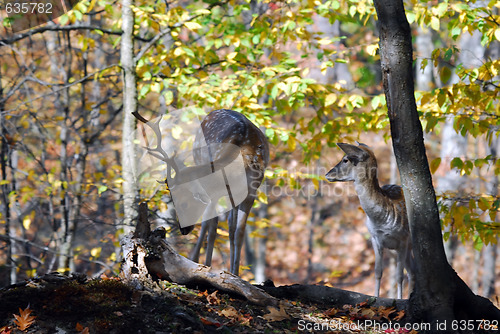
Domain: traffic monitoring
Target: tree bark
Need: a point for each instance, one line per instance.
(490, 252)
(439, 293)
(5, 189)
(129, 106)
(331, 297)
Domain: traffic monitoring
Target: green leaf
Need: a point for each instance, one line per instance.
(445, 74)
(456, 163)
(169, 97)
(144, 90)
(478, 243)
(270, 133)
(411, 17)
(456, 32)
(431, 123)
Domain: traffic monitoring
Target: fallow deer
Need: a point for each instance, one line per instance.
(231, 127)
(385, 210)
(224, 134)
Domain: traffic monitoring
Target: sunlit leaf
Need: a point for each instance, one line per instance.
(435, 164)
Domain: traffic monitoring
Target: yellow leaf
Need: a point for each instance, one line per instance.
(163, 207)
(330, 99)
(222, 233)
(254, 106)
(497, 34)
(176, 132)
(92, 4)
(232, 55)
(262, 197)
(325, 41)
(315, 183)
(26, 223)
(155, 87)
(372, 49)
(178, 52)
(435, 23)
(483, 204)
(192, 25)
(95, 252)
(435, 164)
(292, 144)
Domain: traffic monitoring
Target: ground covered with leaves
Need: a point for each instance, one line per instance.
(58, 304)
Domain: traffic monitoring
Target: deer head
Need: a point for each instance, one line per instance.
(358, 164)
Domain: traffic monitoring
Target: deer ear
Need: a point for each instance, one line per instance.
(354, 153)
(361, 144)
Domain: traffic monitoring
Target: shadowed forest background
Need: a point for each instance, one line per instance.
(306, 72)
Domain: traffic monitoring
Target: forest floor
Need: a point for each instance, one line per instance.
(60, 304)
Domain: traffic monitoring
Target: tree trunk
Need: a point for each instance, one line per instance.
(60, 66)
(424, 45)
(439, 293)
(129, 106)
(5, 189)
(490, 252)
(255, 248)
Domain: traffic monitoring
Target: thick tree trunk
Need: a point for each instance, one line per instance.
(439, 293)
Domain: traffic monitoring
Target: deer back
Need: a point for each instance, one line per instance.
(230, 127)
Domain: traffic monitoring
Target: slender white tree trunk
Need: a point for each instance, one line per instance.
(454, 144)
(490, 252)
(129, 106)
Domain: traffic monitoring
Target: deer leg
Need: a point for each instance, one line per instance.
(379, 265)
(238, 237)
(232, 222)
(209, 224)
(410, 268)
(401, 256)
(195, 253)
(212, 234)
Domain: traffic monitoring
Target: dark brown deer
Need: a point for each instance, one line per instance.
(223, 135)
(385, 210)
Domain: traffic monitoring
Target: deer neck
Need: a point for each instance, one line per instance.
(370, 196)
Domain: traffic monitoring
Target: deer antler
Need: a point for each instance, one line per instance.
(163, 155)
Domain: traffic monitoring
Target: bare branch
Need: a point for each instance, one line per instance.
(52, 27)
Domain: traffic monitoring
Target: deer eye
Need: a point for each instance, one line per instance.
(345, 160)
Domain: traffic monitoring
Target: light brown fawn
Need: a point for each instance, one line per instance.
(385, 210)
(223, 135)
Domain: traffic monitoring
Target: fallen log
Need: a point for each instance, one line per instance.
(331, 297)
(148, 256)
